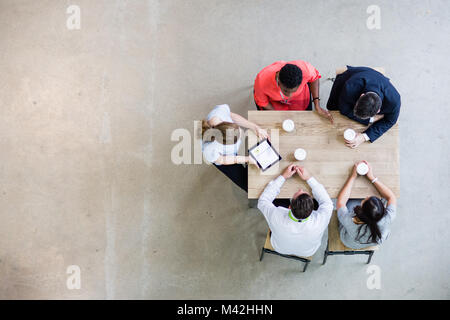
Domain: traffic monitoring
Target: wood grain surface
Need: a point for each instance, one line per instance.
(328, 158)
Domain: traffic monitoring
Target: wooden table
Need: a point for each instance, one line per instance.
(328, 159)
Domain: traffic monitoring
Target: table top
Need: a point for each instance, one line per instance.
(328, 159)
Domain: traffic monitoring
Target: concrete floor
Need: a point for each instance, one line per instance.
(85, 126)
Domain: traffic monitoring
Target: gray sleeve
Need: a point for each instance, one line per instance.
(345, 218)
(391, 211)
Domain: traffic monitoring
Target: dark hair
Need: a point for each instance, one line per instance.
(368, 105)
(290, 76)
(370, 213)
(302, 206)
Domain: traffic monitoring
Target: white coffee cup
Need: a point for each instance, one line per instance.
(362, 169)
(349, 134)
(300, 154)
(288, 125)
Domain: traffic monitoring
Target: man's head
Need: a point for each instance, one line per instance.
(302, 204)
(368, 105)
(289, 79)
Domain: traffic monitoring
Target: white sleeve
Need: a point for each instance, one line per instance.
(210, 152)
(271, 191)
(222, 112)
(322, 197)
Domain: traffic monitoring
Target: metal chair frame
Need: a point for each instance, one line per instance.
(305, 261)
(347, 253)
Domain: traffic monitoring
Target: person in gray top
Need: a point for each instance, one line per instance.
(367, 223)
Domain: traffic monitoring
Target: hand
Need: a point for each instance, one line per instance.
(356, 142)
(303, 173)
(251, 161)
(369, 174)
(325, 113)
(261, 133)
(289, 172)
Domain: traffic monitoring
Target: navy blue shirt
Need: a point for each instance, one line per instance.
(349, 86)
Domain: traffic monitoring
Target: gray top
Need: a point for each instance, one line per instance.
(349, 230)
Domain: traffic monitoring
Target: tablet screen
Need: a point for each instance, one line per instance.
(264, 154)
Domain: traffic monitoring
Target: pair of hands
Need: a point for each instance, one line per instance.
(292, 169)
(369, 174)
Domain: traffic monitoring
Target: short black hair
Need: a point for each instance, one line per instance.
(368, 105)
(302, 206)
(290, 76)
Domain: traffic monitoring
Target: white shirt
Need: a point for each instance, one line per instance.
(213, 150)
(291, 237)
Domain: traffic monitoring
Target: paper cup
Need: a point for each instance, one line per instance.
(288, 125)
(349, 134)
(300, 154)
(362, 169)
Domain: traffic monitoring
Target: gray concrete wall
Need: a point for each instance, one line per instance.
(85, 124)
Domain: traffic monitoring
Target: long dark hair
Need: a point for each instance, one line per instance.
(370, 213)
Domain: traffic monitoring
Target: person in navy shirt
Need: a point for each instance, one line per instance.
(366, 96)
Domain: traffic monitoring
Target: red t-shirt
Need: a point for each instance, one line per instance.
(267, 90)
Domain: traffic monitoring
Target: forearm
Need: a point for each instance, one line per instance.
(228, 160)
(383, 190)
(270, 193)
(377, 129)
(345, 193)
(319, 192)
(314, 88)
(242, 122)
(268, 107)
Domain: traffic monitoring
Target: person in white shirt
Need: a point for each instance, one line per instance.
(296, 230)
(221, 139)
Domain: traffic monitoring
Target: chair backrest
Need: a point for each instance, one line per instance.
(343, 69)
(334, 239)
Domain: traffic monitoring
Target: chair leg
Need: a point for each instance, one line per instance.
(306, 266)
(262, 254)
(325, 257)
(370, 257)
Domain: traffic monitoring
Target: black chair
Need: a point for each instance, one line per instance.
(336, 247)
(269, 249)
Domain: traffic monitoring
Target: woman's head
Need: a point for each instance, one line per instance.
(370, 212)
(224, 132)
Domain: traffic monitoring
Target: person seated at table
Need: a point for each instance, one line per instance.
(221, 139)
(365, 222)
(288, 86)
(366, 96)
(296, 230)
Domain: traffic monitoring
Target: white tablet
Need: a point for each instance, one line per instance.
(264, 154)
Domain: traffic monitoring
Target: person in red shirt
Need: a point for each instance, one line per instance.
(288, 86)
